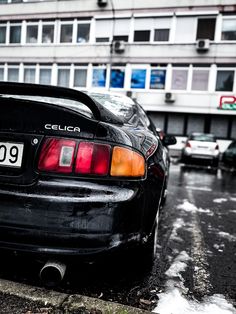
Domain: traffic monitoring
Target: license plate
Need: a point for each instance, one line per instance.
(11, 154)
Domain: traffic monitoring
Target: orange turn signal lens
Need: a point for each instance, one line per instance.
(126, 162)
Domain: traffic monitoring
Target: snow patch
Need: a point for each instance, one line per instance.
(227, 236)
(179, 265)
(220, 200)
(233, 199)
(173, 302)
(179, 223)
(188, 207)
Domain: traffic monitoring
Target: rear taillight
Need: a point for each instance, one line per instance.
(57, 155)
(217, 147)
(126, 162)
(93, 158)
(188, 144)
(63, 156)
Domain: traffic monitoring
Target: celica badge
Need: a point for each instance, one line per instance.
(58, 127)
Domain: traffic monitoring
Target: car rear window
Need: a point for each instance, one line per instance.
(122, 107)
(203, 137)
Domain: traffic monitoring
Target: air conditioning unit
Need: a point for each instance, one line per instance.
(169, 97)
(102, 3)
(203, 45)
(119, 46)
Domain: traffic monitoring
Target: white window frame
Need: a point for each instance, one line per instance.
(62, 23)
(7, 33)
(17, 67)
(158, 68)
(189, 79)
(32, 24)
(123, 68)
(64, 67)
(34, 67)
(146, 67)
(41, 25)
(107, 82)
(3, 67)
(80, 67)
(234, 83)
(45, 67)
(230, 17)
(209, 76)
(21, 39)
(81, 22)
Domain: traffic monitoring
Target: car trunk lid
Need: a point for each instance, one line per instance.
(23, 126)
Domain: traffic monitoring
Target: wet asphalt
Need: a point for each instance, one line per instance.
(207, 233)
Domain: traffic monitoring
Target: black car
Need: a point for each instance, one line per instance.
(81, 174)
(229, 156)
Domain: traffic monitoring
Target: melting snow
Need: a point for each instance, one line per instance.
(227, 236)
(174, 300)
(188, 207)
(220, 200)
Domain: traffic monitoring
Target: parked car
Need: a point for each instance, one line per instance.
(201, 148)
(81, 174)
(229, 156)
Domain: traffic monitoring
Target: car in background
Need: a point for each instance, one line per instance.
(81, 174)
(201, 149)
(229, 156)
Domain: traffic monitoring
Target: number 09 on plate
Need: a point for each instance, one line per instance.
(11, 154)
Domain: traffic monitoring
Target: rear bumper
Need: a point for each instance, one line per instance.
(70, 218)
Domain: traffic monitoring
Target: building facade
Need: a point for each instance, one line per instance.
(176, 57)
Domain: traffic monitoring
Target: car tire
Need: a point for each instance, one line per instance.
(148, 252)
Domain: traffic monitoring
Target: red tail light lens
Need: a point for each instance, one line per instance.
(57, 155)
(188, 144)
(93, 159)
(217, 146)
(88, 158)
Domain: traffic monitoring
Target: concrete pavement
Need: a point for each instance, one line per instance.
(16, 298)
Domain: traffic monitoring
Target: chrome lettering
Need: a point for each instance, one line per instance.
(58, 127)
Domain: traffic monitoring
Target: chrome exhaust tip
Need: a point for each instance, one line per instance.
(52, 273)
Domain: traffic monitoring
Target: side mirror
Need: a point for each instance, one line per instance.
(169, 140)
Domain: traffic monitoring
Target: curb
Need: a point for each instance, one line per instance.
(65, 303)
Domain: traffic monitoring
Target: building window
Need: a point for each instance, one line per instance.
(1, 74)
(206, 28)
(200, 80)
(229, 29)
(117, 78)
(63, 78)
(179, 79)
(120, 38)
(2, 34)
(225, 80)
(66, 33)
(99, 77)
(142, 35)
(158, 79)
(138, 78)
(103, 30)
(13, 74)
(15, 34)
(83, 31)
(80, 77)
(29, 75)
(32, 34)
(48, 34)
(161, 34)
(45, 76)
(102, 39)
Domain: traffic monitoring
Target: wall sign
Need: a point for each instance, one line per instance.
(227, 103)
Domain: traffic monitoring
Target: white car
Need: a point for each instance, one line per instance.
(201, 148)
